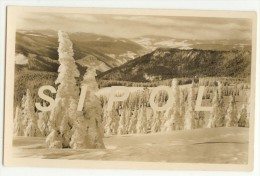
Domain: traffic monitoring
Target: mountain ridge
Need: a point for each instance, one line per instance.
(165, 63)
(45, 46)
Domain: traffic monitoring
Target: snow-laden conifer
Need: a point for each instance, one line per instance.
(215, 113)
(242, 116)
(65, 111)
(231, 114)
(190, 113)
(43, 123)
(133, 121)
(92, 112)
(122, 122)
(220, 119)
(141, 126)
(31, 128)
(18, 122)
(173, 119)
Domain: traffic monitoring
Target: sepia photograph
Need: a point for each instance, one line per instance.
(129, 88)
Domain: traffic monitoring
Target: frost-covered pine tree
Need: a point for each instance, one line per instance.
(156, 124)
(106, 119)
(181, 110)
(25, 118)
(92, 113)
(178, 119)
(65, 111)
(242, 116)
(190, 113)
(104, 115)
(128, 118)
(201, 121)
(54, 139)
(18, 122)
(231, 115)
(112, 122)
(43, 122)
(156, 121)
(173, 117)
(149, 113)
(80, 138)
(196, 120)
(215, 113)
(122, 122)
(133, 121)
(108, 122)
(141, 126)
(220, 119)
(169, 124)
(31, 128)
(115, 123)
(248, 109)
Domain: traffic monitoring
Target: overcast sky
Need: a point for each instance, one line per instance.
(135, 26)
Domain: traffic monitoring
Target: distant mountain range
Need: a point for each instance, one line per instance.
(145, 58)
(151, 43)
(93, 50)
(165, 63)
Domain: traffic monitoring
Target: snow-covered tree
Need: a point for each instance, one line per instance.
(18, 122)
(190, 113)
(115, 123)
(25, 118)
(31, 128)
(215, 113)
(43, 123)
(156, 121)
(112, 122)
(248, 109)
(220, 90)
(169, 123)
(149, 118)
(158, 118)
(220, 119)
(65, 111)
(128, 114)
(54, 140)
(173, 119)
(104, 114)
(231, 115)
(180, 125)
(242, 116)
(93, 110)
(133, 121)
(177, 107)
(80, 137)
(108, 121)
(122, 122)
(141, 126)
(201, 121)
(196, 120)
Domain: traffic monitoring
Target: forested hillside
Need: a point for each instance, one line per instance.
(165, 63)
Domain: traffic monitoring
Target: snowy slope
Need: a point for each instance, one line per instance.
(219, 145)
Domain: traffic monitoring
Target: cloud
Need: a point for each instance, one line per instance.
(130, 26)
(151, 20)
(203, 28)
(53, 19)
